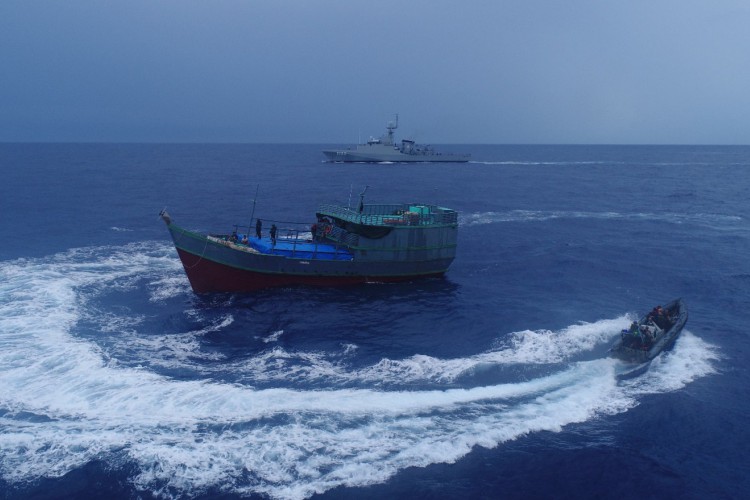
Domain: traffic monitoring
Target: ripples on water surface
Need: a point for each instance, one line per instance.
(115, 379)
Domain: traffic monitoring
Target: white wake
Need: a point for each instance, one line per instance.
(64, 402)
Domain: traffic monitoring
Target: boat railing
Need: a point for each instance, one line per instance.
(293, 236)
(296, 238)
(393, 215)
(337, 236)
(342, 237)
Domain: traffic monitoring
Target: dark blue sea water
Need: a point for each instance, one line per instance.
(116, 381)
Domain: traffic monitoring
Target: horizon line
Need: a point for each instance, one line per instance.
(273, 143)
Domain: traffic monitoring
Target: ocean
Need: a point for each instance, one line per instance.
(116, 381)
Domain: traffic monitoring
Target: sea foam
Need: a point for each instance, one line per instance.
(64, 402)
(718, 222)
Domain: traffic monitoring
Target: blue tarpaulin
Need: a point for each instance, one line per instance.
(301, 249)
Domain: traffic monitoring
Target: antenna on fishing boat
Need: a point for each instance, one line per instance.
(252, 214)
(351, 188)
(362, 199)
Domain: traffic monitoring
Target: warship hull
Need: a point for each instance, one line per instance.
(353, 156)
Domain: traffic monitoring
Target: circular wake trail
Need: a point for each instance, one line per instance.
(64, 402)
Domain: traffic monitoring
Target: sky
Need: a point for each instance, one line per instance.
(336, 71)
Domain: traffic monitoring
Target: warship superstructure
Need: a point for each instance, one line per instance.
(385, 149)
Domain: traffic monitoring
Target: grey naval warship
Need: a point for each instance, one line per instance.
(384, 149)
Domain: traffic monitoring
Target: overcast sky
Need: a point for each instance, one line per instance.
(330, 71)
